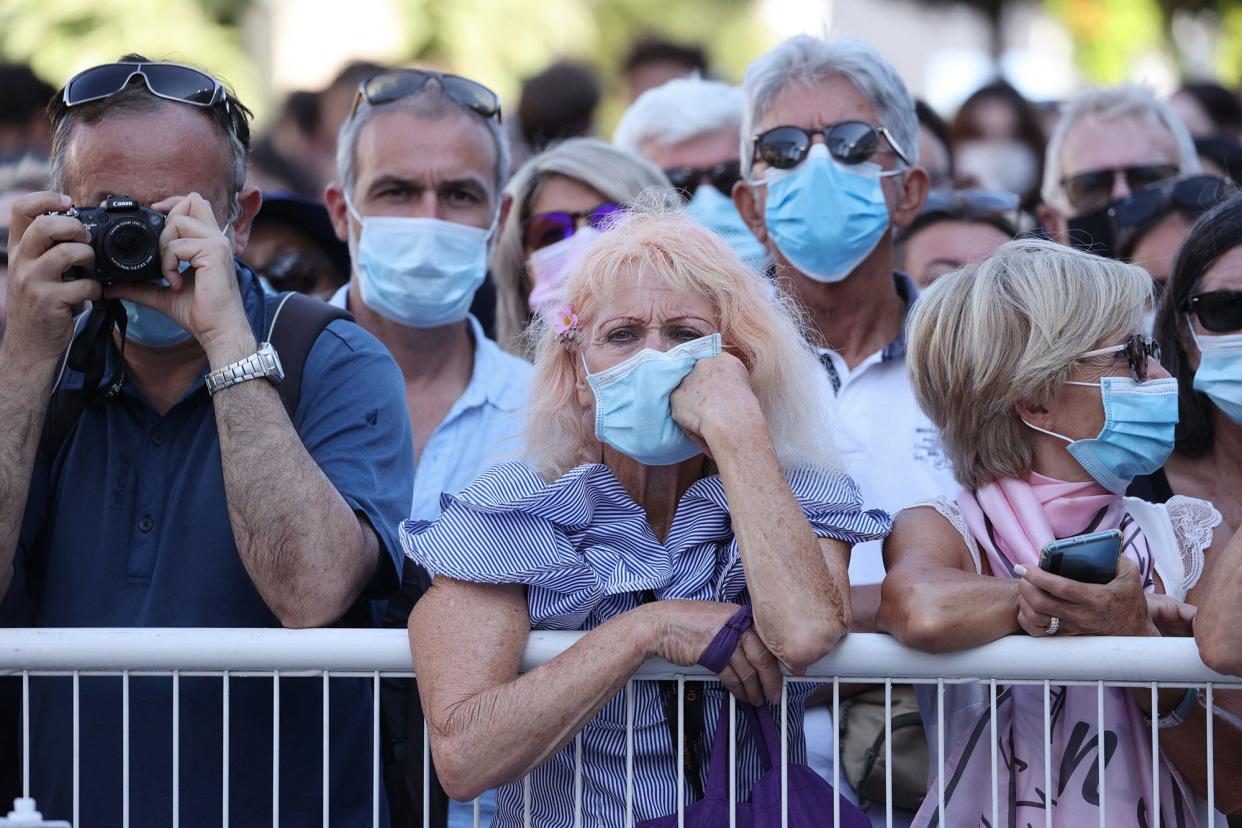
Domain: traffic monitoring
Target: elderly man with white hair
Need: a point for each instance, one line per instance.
(1108, 144)
(690, 128)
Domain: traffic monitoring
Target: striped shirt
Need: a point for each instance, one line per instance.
(586, 553)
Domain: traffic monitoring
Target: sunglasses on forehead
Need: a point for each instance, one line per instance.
(544, 229)
(387, 87)
(1093, 190)
(722, 176)
(170, 81)
(849, 142)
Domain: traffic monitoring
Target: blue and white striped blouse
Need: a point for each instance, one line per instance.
(586, 553)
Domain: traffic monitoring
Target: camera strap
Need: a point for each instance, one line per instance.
(89, 352)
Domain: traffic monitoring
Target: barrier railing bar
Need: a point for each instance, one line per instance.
(888, 753)
(1211, 756)
(375, 754)
(326, 714)
(629, 754)
(1155, 754)
(836, 752)
(427, 777)
(77, 754)
(731, 712)
(1047, 754)
(940, 748)
(994, 739)
(681, 752)
(275, 750)
(784, 753)
(477, 812)
(125, 750)
(1100, 751)
(578, 780)
(224, 750)
(525, 801)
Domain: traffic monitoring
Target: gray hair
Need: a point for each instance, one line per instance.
(1125, 101)
(136, 99)
(428, 102)
(1007, 331)
(679, 110)
(620, 176)
(807, 59)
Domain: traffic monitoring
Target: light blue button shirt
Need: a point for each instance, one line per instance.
(483, 428)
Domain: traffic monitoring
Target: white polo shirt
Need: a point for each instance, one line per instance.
(888, 445)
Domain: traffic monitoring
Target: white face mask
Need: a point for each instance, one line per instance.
(998, 165)
(419, 272)
(549, 269)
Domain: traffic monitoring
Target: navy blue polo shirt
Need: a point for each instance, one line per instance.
(128, 526)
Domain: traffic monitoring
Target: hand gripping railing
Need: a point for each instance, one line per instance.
(335, 653)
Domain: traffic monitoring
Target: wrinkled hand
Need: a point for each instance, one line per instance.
(1173, 618)
(1116, 608)
(715, 395)
(205, 299)
(41, 304)
(684, 629)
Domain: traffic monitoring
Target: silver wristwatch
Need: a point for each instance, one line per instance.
(264, 363)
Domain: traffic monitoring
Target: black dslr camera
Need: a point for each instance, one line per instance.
(126, 239)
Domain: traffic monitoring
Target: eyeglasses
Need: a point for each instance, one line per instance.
(387, 87)
(297, 271)
(1196, 194)
(543, 229)
(1093, 190)
(1137, 350)
(966, 202)
(170, 81)
(850, 142)
(722, 176)
(1219, 311)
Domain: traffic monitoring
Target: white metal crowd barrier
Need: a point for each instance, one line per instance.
(337, 653)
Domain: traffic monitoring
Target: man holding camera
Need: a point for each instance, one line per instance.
(156, 475)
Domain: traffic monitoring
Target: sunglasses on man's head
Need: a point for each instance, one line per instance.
(1093, 190)
(722, 176)
(170, 81)
(543, 229)
(387, 87)
(849, 142)
(1218, 311)
(1136, 350)
(1193, 194)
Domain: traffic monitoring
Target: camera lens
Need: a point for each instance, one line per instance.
(130, 245)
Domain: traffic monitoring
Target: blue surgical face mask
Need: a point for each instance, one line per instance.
(419, 272)
(1219, 374)
(826, 217)
(150, 328)
(1137, 438)
(716, 212)
(632, 410)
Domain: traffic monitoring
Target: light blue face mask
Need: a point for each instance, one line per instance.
(632, 410)
(1137, 438)
(826, 217)
(715, 211)
(1219, 374)
(419, 272)
(150, 328)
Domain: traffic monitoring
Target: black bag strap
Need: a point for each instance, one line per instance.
(294, 323)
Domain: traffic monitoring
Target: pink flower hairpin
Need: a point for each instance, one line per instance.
(565, 325)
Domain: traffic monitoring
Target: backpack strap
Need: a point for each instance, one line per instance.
(295, 322)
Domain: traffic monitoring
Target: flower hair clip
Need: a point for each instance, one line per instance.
(565, 324)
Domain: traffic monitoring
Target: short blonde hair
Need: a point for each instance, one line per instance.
(756, 323)
(1008, 331)
(619, 175)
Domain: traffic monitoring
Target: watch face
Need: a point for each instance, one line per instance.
(270, 357)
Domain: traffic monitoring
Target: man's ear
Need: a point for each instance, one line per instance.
(749, 199)
(1054, 224)
(334, 198)
(250, 200)
(911, 194)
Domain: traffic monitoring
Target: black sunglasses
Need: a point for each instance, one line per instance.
(1194, 194)
(544, 229)
(849, 142)
(1137, 350)
(170, 81)
(387, 87)
(1219, 311)
(1093, 190)
(722, 176)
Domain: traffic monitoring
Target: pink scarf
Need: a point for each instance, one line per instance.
(1012, 520)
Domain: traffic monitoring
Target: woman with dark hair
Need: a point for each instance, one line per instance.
(1199, 326)
(999, 142)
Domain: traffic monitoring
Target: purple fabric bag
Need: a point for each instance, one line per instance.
(810, 796)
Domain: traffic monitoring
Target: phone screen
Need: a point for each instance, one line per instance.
(1091, 559)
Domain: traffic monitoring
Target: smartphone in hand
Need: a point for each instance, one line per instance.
(1091, 559)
